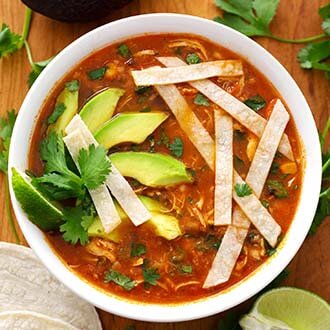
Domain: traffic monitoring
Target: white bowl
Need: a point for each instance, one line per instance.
(255, 54)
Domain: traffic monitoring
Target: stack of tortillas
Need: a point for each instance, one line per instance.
(32, 299)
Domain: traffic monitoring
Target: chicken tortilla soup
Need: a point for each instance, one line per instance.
(163, 169)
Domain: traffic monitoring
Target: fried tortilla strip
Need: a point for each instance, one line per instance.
(226, 256)
(100, 196)
(165, 76)
(223, 168)
(117, 184)
(189, 122)
(237, 109)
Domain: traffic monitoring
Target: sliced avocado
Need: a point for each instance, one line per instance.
(70, 101)
(100, 108)
(151, 169)
(164, 225)
(129, 127)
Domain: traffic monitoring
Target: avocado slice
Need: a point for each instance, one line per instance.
(151, 169)
(70, 100)
(129, 127)
(164, 225)
(100, 108)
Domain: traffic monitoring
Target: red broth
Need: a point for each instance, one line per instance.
(183, 263)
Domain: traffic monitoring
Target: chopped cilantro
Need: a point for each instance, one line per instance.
(271, 251)
(242, 189)
(277, 188)
(142, 89)
(200, 99)
(58, 111)
(176, 147)
(265, 203)
(72, 86)
(150, 275)
(274, 168)
(138, 249)
(256, 103)
(124, 51)
(164, 139)
(120, 279)
(97, 74)
(193, 58)
(187, 269)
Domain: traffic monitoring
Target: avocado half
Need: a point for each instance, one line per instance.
(75, 10)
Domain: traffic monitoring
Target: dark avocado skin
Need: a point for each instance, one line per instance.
(75, 10)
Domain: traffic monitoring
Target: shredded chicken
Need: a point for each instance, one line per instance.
(102, 248)
(145, 52)
(191, 44)
(181, 285)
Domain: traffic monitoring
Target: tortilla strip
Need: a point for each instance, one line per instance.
(23, 320)
(25, 284)
(117, 184)
(223, 168)
(264, 155)
(222, 263)
(189, 122)
(165, 76)
(101, 197)
(257, 214)
(237, 109)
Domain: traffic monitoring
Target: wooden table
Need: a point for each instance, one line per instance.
(310, 269)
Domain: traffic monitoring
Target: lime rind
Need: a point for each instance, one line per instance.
(251, 322)
(297, 308)
(38, 209)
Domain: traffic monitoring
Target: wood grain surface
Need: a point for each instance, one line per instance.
(310, 268)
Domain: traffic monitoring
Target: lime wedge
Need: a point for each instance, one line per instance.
(37, 208)
(288, 308)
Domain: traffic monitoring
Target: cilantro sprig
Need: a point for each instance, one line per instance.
(122, 280)
(6, 130)
(253, 18)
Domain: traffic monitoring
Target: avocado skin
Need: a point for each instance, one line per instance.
(75, 10)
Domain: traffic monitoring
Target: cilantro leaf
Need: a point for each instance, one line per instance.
(138, 249)
(200, 99)
(277, 189)
(164, 139)
(256, 103)
(97, 74)
(6, 130)
(142, 89)
(325, 14)
(193, 58)
(242, 190)
(9, 41)
(72, 229)
(186, 269)
(72, 86)
(86, 221)
(94, 166)
(150, 275)
(58, 111)
(120, 279)
(176, 147)
(124, 51)
(37, 68)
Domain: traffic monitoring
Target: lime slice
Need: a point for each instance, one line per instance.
(37, 208)
(288, 308)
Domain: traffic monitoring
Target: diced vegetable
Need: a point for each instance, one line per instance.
(100, 108)
(129, 127)
(251, 147)
(288, 168)
(150, 169)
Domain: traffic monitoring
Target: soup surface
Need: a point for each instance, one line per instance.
(140, 263)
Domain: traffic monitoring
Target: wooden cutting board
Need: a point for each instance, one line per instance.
(310, 269)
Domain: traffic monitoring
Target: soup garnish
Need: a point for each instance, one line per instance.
(171, 174)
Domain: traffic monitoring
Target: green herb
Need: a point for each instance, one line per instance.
(97, 74)
(6, 130)
(265, 203)
(150, 275)
(186, 269)
(142, 89)
(323, 207)
(277, 188)
(242, 189)
(192, 172)
(73, 230)
(94, 166)
(164, 139)
(86, 221)
(274, 168)
(271, 251)
(193, 58)
(72, 86)
(324, 12)
(58, 111)
(147, 109)
(200, 99)
(138, 249)
(120, 279)
(256, 103)
(176, 147)
(124, 51)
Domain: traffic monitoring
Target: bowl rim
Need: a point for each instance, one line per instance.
(243, 289)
